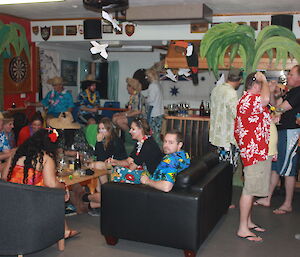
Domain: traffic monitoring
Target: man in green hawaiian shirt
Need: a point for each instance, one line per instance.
(175, 161)
(223, 111)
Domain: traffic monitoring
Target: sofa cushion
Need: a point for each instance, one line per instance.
(191, 175)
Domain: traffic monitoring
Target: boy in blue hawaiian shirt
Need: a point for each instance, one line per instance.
(175, 161)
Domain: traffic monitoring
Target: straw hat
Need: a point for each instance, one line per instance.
(64, 121)
(89, 80)
(55, 81)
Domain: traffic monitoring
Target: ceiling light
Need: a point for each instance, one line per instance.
(3, 2)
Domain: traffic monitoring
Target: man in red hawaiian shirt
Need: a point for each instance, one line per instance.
(252, 132)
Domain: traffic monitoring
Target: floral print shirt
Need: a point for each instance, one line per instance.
(4, 142)
(58, 102)
(222, 114)
(170, 166)
(138, 102)
(84, 100)
(252, 129)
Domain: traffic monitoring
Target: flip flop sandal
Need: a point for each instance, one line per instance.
(256, 203)
(248, 238)
(71, 234)
(258, 228)
(280, 211)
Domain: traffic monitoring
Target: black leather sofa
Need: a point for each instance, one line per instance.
(181, 218)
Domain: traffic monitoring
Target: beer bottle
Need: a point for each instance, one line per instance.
(202, 109)
(77, 162)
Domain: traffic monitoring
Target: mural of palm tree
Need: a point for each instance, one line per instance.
(13, 35)
(236, 39)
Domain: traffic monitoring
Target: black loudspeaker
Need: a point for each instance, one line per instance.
(92, 29)
(284, 20)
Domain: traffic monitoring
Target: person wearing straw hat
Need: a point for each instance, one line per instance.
(136, 105)
(89, 100)
(71, 136)
(57, 100)
(70, 141)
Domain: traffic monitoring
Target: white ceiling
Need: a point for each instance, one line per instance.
(66, 9)
(75, 9)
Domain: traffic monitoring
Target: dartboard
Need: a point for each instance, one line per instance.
(18, 69)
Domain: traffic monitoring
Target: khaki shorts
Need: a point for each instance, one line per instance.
(257, 178)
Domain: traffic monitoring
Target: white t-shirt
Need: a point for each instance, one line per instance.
(155, 99)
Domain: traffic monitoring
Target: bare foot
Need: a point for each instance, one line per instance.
(231, 206)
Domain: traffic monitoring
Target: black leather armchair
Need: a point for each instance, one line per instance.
(31, 219)
(182, 218)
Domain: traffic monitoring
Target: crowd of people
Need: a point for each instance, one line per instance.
(94, 136)
(246, 129)
(242, 129)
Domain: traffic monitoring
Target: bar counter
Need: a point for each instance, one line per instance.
(195, 130)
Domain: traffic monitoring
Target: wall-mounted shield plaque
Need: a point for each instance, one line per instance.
(45, 32)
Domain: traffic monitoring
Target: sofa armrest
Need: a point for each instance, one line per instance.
(190, 176)
(32, 217)
(216, 188)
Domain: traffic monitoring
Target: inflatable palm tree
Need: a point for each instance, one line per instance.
(13, 35)
(240, 40)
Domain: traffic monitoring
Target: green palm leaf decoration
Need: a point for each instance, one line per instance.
(240, 40)
(14, 35)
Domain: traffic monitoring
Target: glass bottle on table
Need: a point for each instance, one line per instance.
(202, 109)
(207, 109)
(77, 162)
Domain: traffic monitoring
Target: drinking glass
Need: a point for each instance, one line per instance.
(278, 112)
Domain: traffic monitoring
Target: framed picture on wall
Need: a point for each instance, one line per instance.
(254, 25)
(57, 30)
(107, 28)
(199, 28)
(69, 72)
(71, 30)
(264, 24)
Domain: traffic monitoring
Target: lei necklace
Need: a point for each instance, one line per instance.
(52, 96)
(89, 96)
(140, 144)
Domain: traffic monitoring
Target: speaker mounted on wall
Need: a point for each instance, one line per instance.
(284, 20)
(92, 29)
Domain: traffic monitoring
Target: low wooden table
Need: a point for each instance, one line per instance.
(71, 179)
